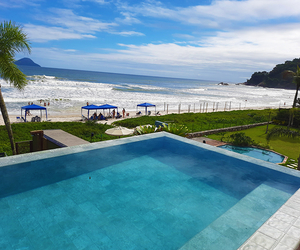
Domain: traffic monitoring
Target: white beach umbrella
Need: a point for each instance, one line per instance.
(119, 131)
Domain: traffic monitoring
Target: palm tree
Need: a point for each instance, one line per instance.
(12, 40)
(296, 79)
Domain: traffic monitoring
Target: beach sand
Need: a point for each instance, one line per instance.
(77, 117)
(74, 117)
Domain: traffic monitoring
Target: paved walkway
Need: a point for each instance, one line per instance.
(208, 141)
(62, 138)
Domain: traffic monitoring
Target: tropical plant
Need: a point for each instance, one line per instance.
(176, 129)
(296, 79)
(240, 139)
(146, 129)
(12, 40)
(282, 131)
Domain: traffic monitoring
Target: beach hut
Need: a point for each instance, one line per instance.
(28, 108)
(146, 105)
(88, 108)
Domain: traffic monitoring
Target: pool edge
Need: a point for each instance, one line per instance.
(279, 231)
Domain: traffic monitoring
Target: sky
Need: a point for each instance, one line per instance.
(220, 40)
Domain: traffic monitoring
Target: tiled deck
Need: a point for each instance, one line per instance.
(281, 231)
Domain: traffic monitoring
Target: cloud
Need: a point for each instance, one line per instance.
(67, 18)
(221, 13)
(19, 3)
(128, 19)
(127, 33)
(97, 1)
(39, 33)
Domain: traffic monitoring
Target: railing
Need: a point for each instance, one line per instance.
(23, 147)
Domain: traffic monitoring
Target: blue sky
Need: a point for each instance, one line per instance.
(222, 40)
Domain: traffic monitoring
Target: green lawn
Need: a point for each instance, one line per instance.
(283, 145)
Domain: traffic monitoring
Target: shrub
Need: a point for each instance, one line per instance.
(176, 129)
(240, 139)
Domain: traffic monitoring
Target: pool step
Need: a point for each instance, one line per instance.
(236, 225)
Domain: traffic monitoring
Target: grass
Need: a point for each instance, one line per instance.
(21, 131)
(203, 121)
(283, 145)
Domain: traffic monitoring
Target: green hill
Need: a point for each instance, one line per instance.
(274, 79)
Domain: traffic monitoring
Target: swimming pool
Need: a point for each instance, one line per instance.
(256, 153)
(155, 191)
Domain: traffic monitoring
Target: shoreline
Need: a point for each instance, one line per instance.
(74, 117)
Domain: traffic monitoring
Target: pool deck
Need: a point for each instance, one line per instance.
(280, 231)
(62, 138)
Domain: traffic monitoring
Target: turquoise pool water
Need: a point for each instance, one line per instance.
(154, 193)
(256, 153)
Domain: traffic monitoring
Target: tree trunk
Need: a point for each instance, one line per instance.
(7, 122)
(296, 95)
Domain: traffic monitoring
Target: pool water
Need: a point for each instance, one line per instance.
(256, 153)
(156, 193)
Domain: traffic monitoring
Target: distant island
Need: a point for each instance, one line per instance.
(274, 78)
(26, 62)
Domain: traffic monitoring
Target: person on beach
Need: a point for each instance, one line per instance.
(123, 112)
(113, 113)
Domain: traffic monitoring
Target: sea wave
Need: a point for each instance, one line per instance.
(66, 95)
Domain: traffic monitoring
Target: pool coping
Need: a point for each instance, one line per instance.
(280, 231)
(259, 240)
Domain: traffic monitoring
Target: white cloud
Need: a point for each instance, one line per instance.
(97, 1)
(220, 13)
(38, 33)
(19, 3)
(128, 19)
(66, 18)
(127, 33)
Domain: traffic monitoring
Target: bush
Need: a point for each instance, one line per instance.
(240, 139)
(176, 129)
(283, 116)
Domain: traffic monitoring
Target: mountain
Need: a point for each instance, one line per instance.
(26, 62)
(274, 78)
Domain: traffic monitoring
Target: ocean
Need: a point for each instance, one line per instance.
(67, 91)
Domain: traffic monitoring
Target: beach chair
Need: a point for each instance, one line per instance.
(3, 154)
(138, 113)
(32, 119)
(118, 115)
(18, 119)
(149, 112)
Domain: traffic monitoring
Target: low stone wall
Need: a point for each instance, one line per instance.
(229, 129)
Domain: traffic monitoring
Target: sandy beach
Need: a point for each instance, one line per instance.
(76, 117)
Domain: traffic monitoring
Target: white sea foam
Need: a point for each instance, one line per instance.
(69, 96)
